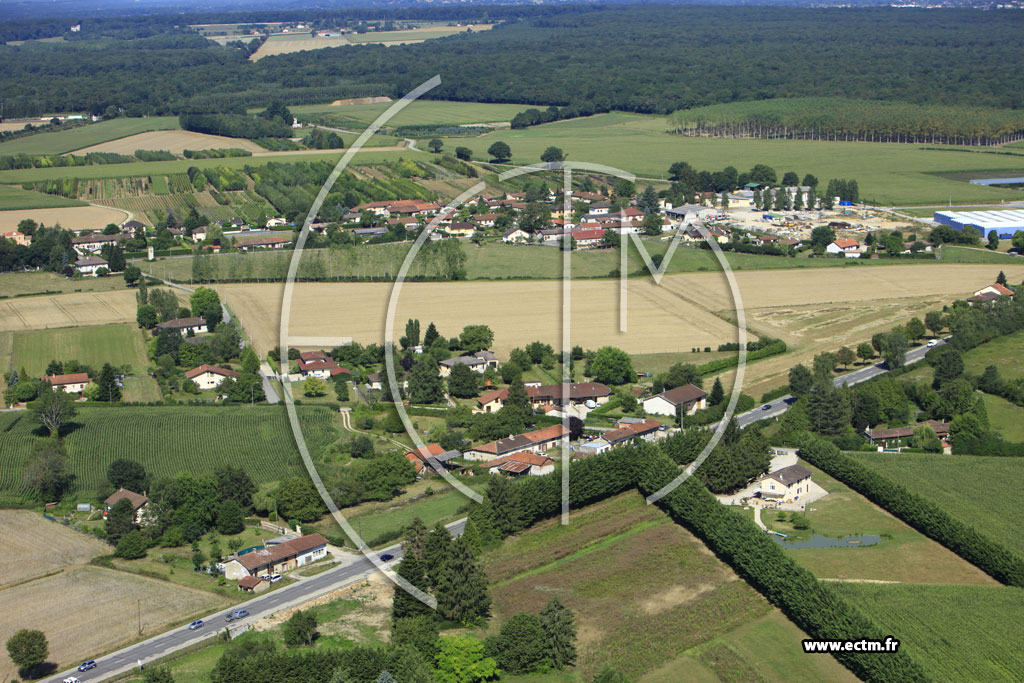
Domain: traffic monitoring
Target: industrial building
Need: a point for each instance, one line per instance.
(1005, 223)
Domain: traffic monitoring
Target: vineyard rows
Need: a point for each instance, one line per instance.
(168, 440)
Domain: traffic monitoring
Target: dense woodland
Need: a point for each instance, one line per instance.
(644, 59)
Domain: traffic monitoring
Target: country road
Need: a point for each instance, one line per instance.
(296, 594)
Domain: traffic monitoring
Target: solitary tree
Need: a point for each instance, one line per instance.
(845, 356)
(435, 145)
(915, 329)
(612, 366)
(500, 151)
(934, 321)
(800, 380)
(552, 154)
(47, 469)
(53, 408)
(28, 649)
(300, 629)
(560, 629)
(521, 644)
(108, 388)
(464, 153)
(865, 352)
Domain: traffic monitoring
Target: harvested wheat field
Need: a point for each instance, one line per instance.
(71, 218)
(822, 310)
(89, 610)
(67, 310)
(173, 141)
(25, 556)
(518, 313)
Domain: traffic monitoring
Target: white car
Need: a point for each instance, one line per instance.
(71, 679)
(273, 578)
(933, 342)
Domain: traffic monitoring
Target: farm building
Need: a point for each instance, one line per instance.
(431, 456)
(849, 247)
(69, 384)
(526, 463)
(1004, 222)
(537, 440)
(208, 376)
(690, 397)
(629, 429)
(274, 559)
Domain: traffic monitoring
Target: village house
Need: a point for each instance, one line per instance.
(540, 396)
(599, 208)
(133, 225)
(263, 243)
(525, 463)
(478, 362)
(996, 289)
(90, 265)
(137, 500)
(69, 384)
(851, 248)
(785, 485)
(88, 244)
(196, 324)
(275, 559)
(461, 229)
(629, 429)
(485, 220)
(320, 365)
(374, 381)
(537, 440)
(18, 238)
(209, 377)
(690, 397)
(515, 234)
(586, 239)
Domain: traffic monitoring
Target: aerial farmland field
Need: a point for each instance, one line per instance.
(67, 310)
(173, 141)
(13, 198)
(887, 173)
(77, 217)
(93, 345)
(59, 142)
(19, 531)
(420, 112)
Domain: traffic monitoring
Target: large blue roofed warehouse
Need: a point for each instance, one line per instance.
(1004, 222)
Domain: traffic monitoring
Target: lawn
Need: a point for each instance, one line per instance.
(59, 142)
(168, 440)
(904, 554)
(22, 283)
(373, 522)
(118, 345)
(886, 173)
(976, 255)
(1002, 352)
(643, 590)
(12, 198)
(955, 633)
(1006, 418)
(974, 489)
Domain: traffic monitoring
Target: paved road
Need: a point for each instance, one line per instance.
(780, 405)
(265, 605)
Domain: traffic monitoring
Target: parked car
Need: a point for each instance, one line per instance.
(933, 342)
(386, 557)
(198, 623)
(273, 578)
(87, 664)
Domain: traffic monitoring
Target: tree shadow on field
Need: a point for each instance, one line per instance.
(43, 431)
(38, 671)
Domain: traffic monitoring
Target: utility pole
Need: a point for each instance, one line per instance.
(139, 601)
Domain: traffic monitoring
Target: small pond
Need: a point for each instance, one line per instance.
(816, 541)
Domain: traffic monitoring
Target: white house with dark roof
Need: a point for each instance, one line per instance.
(787, 484)
(90, 265)
(274, 559)
(478, 362)
(689, 396)
(209, 376)
(183, 325)
(137, 500)
(69, 384)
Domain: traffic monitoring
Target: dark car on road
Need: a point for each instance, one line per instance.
(386, 557)
(766, 406)
(87, 664)
(237, 614)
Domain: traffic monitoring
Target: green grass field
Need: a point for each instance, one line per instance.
(143, 169)
(904, 554)
(118, 345)
(12, 198)
(167, 440)
(977, 255)
(886, 173)
(22, 283)
(420, 112)
(1006, 418)
(955, 633)
(63, 141)
(1003, 352)
(974, 489)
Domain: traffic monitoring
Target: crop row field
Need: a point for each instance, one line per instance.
(93, 345)
(644, 592)
(955, 633)
(67, 310)
(168, 440)
(59, 142)
(974, 489)
(886, 173)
